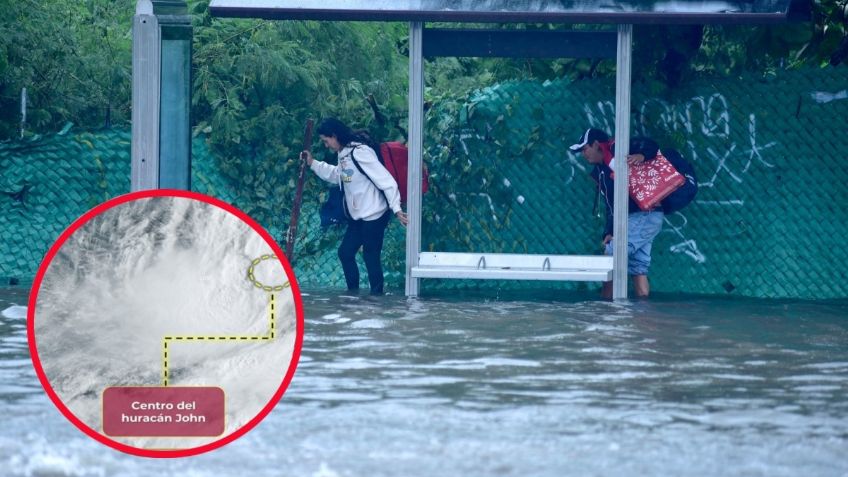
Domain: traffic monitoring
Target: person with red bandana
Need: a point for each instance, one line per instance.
(642, 226)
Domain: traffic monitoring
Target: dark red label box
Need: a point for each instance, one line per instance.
(163, 411)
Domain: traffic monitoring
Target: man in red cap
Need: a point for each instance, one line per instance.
(642, 226)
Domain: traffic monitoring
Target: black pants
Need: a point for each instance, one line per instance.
(369, 236)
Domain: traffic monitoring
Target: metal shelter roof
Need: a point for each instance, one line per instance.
(511, 11)
(623, 13)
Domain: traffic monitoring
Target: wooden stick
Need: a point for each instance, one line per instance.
(291, 234)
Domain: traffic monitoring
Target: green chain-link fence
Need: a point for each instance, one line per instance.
(770, 155)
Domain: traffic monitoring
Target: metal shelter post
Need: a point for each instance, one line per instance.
(622, 140)
(161, 96)
(416, 153)
(145, 98)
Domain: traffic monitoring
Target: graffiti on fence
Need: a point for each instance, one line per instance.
(701, 120)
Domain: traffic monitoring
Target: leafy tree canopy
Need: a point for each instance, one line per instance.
(74, 59)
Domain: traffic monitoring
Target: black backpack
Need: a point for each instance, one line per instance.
(684, 194)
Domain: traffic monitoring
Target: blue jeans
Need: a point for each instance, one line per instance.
(642, 228)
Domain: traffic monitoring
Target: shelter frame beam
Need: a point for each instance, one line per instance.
(622, 137)
(416, 153)
(161, 96)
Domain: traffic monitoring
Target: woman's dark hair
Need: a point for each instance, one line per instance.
(345, 135)
(334, 127)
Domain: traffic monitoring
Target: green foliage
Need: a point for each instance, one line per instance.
(256, 82)
(466, 149)
(675, 54)
(73, 58)
(252, 76)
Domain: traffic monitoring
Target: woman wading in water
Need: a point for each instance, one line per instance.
(371, 197)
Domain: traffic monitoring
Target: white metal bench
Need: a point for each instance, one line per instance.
(508, 266)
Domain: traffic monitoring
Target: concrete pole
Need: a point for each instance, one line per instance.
(622, 141)
(416, 153)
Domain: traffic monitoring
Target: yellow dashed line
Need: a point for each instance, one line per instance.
(271, 332)
(272, 316)
(165, 365)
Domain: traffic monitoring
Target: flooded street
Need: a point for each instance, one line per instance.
(466, 385)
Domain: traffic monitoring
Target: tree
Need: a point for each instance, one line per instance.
(72, 56)
(256, 82)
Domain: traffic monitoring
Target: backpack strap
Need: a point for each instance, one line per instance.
(356, 163)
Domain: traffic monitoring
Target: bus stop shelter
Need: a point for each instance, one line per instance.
(612, 42)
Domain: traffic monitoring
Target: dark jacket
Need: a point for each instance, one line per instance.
(602, 174)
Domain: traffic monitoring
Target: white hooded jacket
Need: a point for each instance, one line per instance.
(363, 198)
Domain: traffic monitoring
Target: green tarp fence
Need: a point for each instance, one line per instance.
(771, 157)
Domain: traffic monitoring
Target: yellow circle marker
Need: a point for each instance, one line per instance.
(257, 283)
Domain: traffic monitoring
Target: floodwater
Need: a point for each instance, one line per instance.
(473, 386)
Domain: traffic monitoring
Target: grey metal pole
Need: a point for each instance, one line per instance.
(145, 98)
(23, 111)
(622, 141)
(416, 153)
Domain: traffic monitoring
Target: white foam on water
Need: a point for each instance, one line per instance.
(342, 396)
(456, 379)
(736, 377)
(325, 471)
(49, 464)
(369, 324)
(15, 312)
(483, 363)
(359, 363)
(827, 366)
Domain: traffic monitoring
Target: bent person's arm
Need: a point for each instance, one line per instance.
(325, 171)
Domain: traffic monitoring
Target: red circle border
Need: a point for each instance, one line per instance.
(298, 344)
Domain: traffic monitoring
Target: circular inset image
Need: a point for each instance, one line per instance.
(165, 323)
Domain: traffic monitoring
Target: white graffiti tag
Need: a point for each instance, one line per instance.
(705, 119)
(687, 246)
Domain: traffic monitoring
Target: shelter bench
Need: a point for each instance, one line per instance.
(509, 266)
